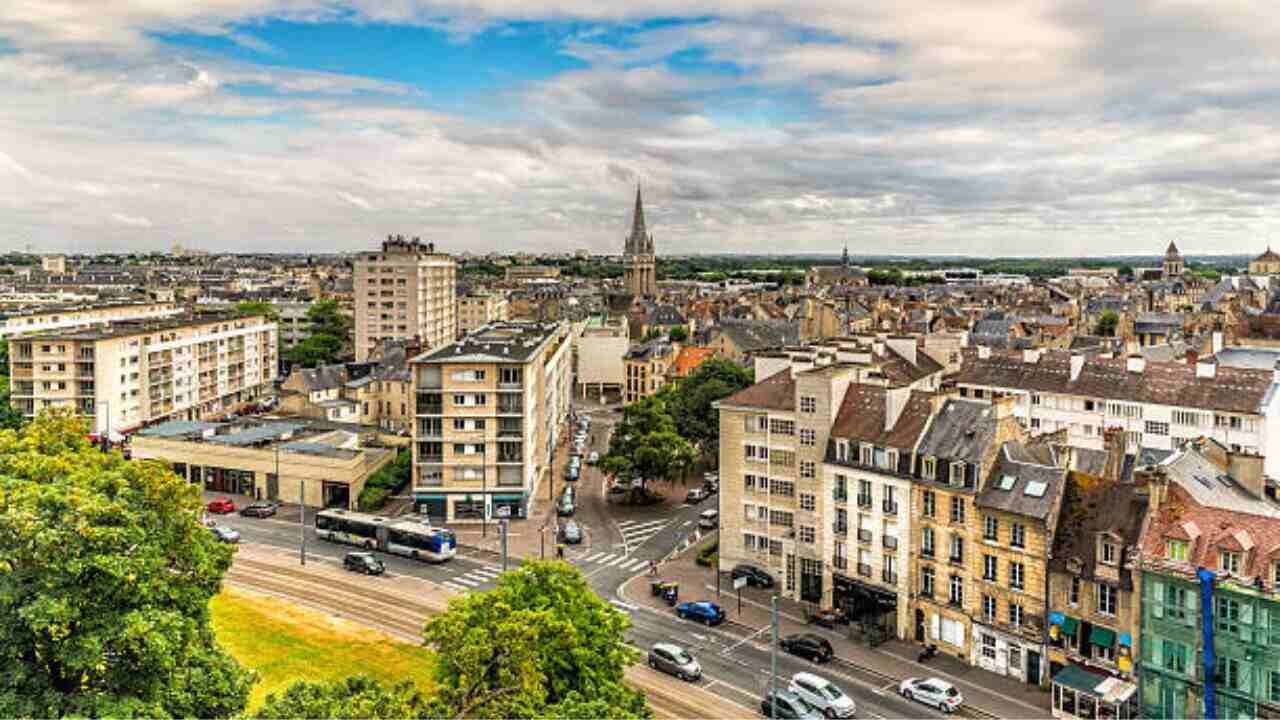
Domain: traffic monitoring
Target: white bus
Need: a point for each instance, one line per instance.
(401, 537)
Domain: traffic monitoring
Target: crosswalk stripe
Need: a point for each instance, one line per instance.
(467, 581)
(615, 561)
(635, 565)
(629, 525)
(595, 557)
(454, 586)
(490, 572)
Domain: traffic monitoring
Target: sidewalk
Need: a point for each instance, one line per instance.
(991, 694)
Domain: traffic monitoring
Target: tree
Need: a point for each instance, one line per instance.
(646, 446)
(258, 307)
(329, 337)
(105, 580)
(358, 696)
(540, 644)
(690, 402)
(678, 334)
(1107, 322)
(383, 484)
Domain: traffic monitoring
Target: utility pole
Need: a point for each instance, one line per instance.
(502, 526)
(302, 514)
(773, 663)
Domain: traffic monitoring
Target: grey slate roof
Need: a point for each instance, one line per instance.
(960, 431)
(1024, 475)
(325, 377)
(754, 335)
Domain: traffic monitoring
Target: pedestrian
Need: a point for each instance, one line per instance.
(559, 552)
(653, 567)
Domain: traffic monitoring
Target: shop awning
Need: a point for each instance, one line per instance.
(1077, 678)
(508, 498)
(1102, 637)
(1069, 625)
(429, 497)
(1125, 640)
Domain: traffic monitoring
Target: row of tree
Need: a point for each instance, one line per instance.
(106, 575)
(329, 339)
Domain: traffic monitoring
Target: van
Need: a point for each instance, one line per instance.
(708, 519)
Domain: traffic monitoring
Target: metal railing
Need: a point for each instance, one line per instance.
(864, 535)
(890, 507)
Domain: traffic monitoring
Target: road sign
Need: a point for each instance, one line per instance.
(739, 583)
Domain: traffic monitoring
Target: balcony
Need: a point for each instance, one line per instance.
(864, 570)
(889, 576)
(926, 552)
(956, 560)
(428, 408)
(864, 501)
(890, 542)
(840, 562)
(510, 408)
(890, 507)
(515, 458)
(956, 603)
(431, 458)
(864, 535)
(839, 496)
(840, 528)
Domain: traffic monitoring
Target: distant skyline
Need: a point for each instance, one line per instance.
(939, 127)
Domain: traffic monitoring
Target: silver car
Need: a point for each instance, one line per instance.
(225, 534)
(932, 691)
(674, 660)
(822, 694)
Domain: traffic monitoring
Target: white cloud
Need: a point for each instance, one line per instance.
(131, 220)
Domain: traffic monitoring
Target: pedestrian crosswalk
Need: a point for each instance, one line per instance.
(613, 560)
(636, 532)
(473, 579)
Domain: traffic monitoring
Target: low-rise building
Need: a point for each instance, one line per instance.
(647, 367)
(526, 273)
(478, 309)
(599, 349)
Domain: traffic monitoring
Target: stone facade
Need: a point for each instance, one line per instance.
(638, 257)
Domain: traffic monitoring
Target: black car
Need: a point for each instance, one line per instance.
(363, 562)
(808, 645)
(258, 510)
(784, 704)
(755, 576)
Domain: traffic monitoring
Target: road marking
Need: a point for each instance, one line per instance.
(467, 581)
(889, 687)
(454, 586)
(615, 561)
(624, 606)
(746, 639)
(595, 557)
(635, 565)
(686, 523)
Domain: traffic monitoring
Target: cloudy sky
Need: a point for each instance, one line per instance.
(929, 127)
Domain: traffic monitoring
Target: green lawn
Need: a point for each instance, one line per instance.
(285, 642)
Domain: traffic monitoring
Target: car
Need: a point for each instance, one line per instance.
(571, 474)
(225, 534)
(932, 691)
(619, 489)
(696, 495)
(808, 645)
(708, 519)
(221, 506)
(258, 510)
(704, 612)
(787, 705)
(823, 695)
(711, 477)
(593, 458)
(566, 508)
(710, 487)
(755, 576)
(674, 660)
(571, 533)
(363, 562)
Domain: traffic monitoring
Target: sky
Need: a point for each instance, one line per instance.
(754, 126)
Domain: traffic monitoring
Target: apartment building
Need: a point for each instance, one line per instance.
(48, 318)
(408, 290)
(1156, 405)
(137, 372)
(647, 368)
(489, 410)
(478, 309)
(598, 350)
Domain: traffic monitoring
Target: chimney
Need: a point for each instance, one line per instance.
(984, 352)
(895, 401)
(904, 346)
(1207, 367)
(1031, 356)
(1217, 342)
(1114, 445)
(1136, 363)
(1077, 364)
(1246, 470)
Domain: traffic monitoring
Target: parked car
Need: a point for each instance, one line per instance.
(259, 510)
(225, 534)
(593, 458)
(932, 691)
(823, 695)
(566, 508)
(571, 533)
(711, 487)
(707, 613)
(363, 562)
(696, 495)
(221, 506)
(708, 519)
(755, 576)
(787, 705)
(808, 645)
(674, 660)
(571, 474)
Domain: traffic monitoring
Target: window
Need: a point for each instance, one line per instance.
(926, 581)
(806, 534)
(1108, 553)
(991, 529)
(1227, 615)
(1074, 597)
(1015, 614)
(1173, 656)
(1273, 686)
(1106, 600)
(459, 399)
(989, 641)
(1176, 550)
(989, 609)
(957, 548)
(808, 501)
(928, 505)
(926, 542)
(957, 473)
(1275, 573)
(989, 564)
(1186, 417)
(1229, 561)
(1035, 399)
(1018, 535)
(808, 404)
(1157, 428)
(755, 452)
(808, 438)
(841, 489)
(1016, 575)
(1228, 671)
(783, 488)
(957, 590)
(957, 509)
(929, 468)
(782, 427)
(808, 469)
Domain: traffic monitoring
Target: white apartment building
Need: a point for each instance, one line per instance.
(133, 373)
(407, 290)
(1156, 404)
(489, 410)
(60, 317)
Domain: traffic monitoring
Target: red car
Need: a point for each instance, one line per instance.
(221, 506)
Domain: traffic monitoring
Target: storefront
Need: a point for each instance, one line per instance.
(514, 504)
(1005, 654)
(866, 606)
(434, 506)
(1078, 693)
(227, 480)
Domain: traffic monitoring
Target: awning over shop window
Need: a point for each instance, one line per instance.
(1069, 626)
(508, 498)
(1102, 637)
(1125, 640)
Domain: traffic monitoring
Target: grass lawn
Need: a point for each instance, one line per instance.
(285, 642)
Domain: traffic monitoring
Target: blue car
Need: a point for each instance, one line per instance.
(703, 612)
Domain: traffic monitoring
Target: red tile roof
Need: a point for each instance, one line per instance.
(1256, 537)
(690, 357)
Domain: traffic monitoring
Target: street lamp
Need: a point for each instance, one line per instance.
(104, 440)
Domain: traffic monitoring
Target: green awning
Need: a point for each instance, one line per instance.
(1069, 626)
(429, 497)
(508, 498)
(1078, 678)
(1102, 637)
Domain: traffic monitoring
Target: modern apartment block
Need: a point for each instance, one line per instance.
(489, 410)
(408, 290)
(478, 309)
(137, 372)
(50, 318)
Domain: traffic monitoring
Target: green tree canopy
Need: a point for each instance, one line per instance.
(258, 307)
(678, 334)
(329, 339)
(690, 400)
(105, 580)
(540, 644)
(1107, 322)
(646, 445)
(358, 696)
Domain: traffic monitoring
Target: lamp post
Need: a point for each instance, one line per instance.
(104, 441)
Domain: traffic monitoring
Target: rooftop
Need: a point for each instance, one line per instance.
(126, 328)
(498, 342)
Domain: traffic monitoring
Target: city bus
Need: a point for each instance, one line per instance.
(401, 537)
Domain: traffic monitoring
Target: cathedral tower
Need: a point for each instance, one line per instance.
(638, 257)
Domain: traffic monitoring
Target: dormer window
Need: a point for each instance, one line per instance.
(957, 473)
(1108, 552)
(1176, 550)
(1229, 561)
(842, 450)
(929, 468)
(868, 454)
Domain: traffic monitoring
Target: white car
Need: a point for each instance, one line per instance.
(708, 519)
(932, 691)
(823, 695)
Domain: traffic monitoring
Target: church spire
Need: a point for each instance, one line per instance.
(638, 241)
(844, 259)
